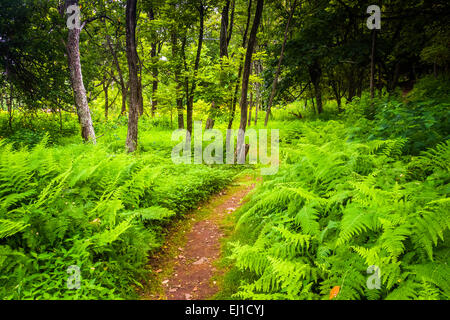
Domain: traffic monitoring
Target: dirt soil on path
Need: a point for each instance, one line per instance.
(186, 264)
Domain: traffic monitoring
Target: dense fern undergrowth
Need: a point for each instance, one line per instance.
(351, 193)
(347, 197)
(91, 207)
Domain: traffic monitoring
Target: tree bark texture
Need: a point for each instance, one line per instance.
(132, 57)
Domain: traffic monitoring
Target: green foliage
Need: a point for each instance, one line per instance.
(422, 120)
(83, 205)
(339, 206)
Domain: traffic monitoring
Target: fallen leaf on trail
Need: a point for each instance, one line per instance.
(334, 292)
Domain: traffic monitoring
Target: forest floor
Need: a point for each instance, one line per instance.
(186, 268)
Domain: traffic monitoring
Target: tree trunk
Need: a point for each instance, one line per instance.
(140, 97)
(10, 106)
(179, 98)
(132, 57)
(230, 29)
(337, 94)
(224, 30)
(256, 113)
(395, 77)
(245, 80)
(153, 54)
(280, 61)
(121, 81)
(315, 73)
(236, 89)
(258, 71)
(154, 91)
(372, 65)
(351, 84)
(123, 110)
(190, 100)
(210, 121)
(76, 78)
(250, 109)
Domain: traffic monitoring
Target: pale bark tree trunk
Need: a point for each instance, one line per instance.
(280, 61)
(76, 77)
(132, 57)
(245, 80)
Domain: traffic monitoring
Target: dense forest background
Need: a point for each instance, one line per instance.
(87, 115)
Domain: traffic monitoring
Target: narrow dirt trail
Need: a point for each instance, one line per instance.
(186, 265)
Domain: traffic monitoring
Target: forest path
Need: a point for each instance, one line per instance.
(185, 266)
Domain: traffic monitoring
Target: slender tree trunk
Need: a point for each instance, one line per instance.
(395, 77)
(224, 30)
(335, 86)
(258, 71)
(123, 110)
(236, 89)
(250, 109)
(153, 54)
(280, 61)
(351, 84)
(210, 121)
(121, 81)
(256, 113)
(76, 77)
(140, 97)
(234, 101)
(223, 52)
(105, 90)
(230, 28)
(190, 100)
(10, 106)
(154, 91)
(245, 80)
(132, 57)
(372, 65)
(315, 73)
(60, 120)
